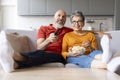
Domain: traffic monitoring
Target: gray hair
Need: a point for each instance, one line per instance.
(77, 13)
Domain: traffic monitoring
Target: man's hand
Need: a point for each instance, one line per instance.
(103, 33)
(43, 43)
(100, 33)
(52, 37)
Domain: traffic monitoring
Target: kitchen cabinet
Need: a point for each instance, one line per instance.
(31, 7)
(101, 7)
(38, 7)
(81, 5)
(117, 15)
(43, 7)
(54, 5)
(23, 8)
(94, 7)
(49, 7)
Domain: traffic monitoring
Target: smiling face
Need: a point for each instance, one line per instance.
(77, 23)
(60, 18)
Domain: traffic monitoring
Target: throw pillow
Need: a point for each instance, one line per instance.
(20, 43)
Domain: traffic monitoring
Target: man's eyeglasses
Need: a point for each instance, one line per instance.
(79, 21)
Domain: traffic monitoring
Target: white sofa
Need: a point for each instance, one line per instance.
(31, 34)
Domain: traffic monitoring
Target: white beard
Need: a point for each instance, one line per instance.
(58, 25)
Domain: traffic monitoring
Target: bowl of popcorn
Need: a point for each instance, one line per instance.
(78, 49)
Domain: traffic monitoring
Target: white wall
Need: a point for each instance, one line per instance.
(0, 19)
(8, 2)
(10, 19)
(5, 3)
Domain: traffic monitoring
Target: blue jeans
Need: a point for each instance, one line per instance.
(83, 61)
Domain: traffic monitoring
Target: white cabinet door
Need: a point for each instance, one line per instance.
(117, 15)
(38, 7)
(101, 7)
(81, 5)
(49, 7)
(23, 7)
(54, 5)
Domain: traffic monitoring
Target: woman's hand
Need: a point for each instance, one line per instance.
(70, 53)
(86, 43)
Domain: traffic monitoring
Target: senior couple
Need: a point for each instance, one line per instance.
(55, 43)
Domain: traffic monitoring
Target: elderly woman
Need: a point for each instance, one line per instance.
(80, 47)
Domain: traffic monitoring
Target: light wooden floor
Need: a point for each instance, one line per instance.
(40, 73)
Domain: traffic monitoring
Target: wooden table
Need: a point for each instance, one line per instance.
(45, 73)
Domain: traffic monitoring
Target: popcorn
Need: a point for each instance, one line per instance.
(78, 49)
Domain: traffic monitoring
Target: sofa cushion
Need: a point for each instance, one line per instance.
(31, 34)
(115, 41)
(18, 42)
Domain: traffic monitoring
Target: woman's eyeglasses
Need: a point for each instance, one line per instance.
(79, 21)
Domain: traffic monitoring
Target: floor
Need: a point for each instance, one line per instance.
(40, 73)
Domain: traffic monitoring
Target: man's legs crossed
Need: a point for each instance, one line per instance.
(39, 57)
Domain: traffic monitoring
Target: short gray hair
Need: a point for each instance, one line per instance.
(77, 13)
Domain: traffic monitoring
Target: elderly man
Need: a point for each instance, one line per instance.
(49, 45)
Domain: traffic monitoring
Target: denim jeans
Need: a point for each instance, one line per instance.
(83, 61)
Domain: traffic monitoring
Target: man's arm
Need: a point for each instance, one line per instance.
(100, 33)
(43, 43)
(103, 33)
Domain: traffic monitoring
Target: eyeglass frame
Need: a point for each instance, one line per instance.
(78, 22)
